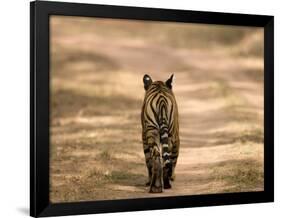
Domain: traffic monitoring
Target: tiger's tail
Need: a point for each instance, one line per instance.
(164, 140)
(167, 164)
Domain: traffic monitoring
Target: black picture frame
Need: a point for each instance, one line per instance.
(39, 108)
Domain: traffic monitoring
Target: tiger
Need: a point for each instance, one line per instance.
(160, 133)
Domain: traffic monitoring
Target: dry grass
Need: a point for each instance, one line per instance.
(96, 96)
(241, 175)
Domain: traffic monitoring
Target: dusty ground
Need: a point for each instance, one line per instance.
(96, 98)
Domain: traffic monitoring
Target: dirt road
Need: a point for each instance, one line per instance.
(97, 94)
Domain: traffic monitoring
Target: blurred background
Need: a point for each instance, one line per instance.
(96, 74)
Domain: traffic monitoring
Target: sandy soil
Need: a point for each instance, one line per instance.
(97, 93)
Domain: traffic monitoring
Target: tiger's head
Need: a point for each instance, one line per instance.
(147, 82)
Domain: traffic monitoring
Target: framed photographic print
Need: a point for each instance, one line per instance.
(143, 108)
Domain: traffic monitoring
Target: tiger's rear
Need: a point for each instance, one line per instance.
(160, 133)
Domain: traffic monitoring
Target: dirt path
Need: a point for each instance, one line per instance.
(221, 118)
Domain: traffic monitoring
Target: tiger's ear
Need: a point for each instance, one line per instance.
(147, 81)
(169, 82)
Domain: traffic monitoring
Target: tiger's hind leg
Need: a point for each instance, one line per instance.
(148, 162)
(156, 178)
(149, 169)
(173, 176)
(174, 158)
(153, 160)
